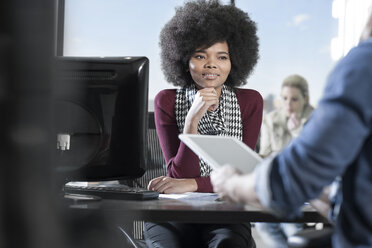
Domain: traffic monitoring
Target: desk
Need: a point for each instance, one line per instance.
(188, 211)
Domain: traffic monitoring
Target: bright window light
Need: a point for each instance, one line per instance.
(352, 16)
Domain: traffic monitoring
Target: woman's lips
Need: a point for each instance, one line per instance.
(210, 75)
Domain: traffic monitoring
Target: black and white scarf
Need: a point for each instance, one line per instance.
(226, 120)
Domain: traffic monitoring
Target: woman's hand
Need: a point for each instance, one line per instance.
(205, 99)
(293, 122)
(168, 185)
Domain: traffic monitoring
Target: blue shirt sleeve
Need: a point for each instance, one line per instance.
(329, 142)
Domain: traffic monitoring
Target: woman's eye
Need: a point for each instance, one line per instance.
(199, 56)
(223, 57)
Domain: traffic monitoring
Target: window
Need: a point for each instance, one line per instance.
(295, 37)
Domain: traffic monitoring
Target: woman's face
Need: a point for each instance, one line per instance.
(293, 100)
(210, 67)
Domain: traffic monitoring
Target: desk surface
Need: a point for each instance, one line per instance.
(192, 211)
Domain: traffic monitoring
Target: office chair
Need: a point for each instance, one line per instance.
(155, 167)
(156, 164)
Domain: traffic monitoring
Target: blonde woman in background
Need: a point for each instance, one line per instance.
(279, 127)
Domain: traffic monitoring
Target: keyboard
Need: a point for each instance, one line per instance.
(112, 191)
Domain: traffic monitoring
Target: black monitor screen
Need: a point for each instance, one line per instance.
(100, 117)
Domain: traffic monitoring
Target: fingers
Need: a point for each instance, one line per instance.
(161, 184)
(164, 185)
(224, 197)
(168, 185)
(209, 98)
(219, 178)
(154, 183)
(208, 94)
(293, 122)
(205, 99)
(208, 90)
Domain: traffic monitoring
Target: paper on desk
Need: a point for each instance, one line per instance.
(191, 196)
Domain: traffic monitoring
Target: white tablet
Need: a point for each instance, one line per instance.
(221, 150)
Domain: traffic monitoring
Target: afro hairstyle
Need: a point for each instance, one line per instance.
(200, 24)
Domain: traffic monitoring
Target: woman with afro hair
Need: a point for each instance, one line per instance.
(207, 49)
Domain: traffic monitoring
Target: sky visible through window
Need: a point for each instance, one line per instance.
(295, 37)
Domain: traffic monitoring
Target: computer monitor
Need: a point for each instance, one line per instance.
(100, 117)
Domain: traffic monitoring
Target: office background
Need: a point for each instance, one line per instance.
(296, 36)
(28, 218)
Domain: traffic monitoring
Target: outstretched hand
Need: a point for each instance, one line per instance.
(233, 186)
(220, 178)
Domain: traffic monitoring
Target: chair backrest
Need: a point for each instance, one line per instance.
(156, 167)
(155, 163)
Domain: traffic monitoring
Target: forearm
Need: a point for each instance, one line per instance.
(302, 169)
(185, 164)
(181, 161)
(204, 184)
(191, 125)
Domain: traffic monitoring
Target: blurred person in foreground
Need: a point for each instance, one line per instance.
(336, 141)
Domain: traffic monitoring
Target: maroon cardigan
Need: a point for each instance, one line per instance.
(181, 161)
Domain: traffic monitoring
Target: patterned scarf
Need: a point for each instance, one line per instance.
(226, 120)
